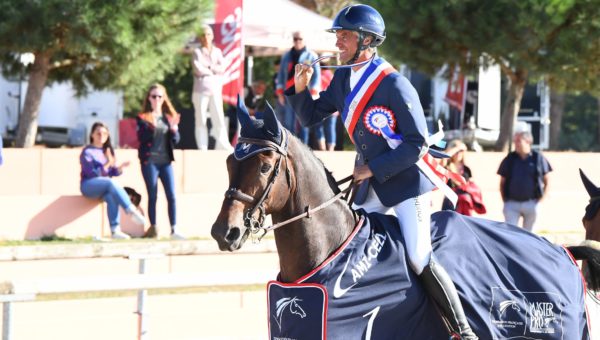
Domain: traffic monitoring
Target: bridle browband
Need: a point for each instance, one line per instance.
(255, 225)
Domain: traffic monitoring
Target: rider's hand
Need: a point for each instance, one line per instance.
(361, 172)
(302, 75)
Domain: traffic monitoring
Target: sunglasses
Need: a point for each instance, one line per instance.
(297, 39)
(155, 96)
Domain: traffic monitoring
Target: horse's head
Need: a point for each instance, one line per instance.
(259, 181)
(591, 219)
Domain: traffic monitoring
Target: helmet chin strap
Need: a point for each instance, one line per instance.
(361, 47)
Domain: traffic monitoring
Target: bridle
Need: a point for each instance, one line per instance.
(255, 225)
(252, 224)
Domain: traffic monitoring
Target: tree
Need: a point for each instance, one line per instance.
(557, 107)
(100, 44)
(573, 80)
(579, 128)
(328, 8)
(524, 37)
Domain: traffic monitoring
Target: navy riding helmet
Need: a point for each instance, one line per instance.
(363, 19)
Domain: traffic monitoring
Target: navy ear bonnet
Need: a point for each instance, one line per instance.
(258, 135)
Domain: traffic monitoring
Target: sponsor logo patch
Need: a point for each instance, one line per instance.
(534, 315)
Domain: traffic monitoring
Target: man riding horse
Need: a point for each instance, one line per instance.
(384, 118)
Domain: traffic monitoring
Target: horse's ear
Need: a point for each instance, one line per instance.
(242, 112)
(271, 123)
(590, 187)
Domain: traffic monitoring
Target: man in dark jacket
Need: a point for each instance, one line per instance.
(524, 181)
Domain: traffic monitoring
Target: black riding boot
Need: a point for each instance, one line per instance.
(440, 287)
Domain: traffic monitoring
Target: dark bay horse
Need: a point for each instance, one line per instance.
(348, 274)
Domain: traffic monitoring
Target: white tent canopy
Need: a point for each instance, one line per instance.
(268, 27)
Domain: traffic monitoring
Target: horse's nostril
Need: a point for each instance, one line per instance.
(233, 235)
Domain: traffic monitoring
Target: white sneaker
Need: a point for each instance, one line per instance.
(119, 235)
(177, 237)
(137, 217)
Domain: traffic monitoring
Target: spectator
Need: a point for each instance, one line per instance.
(208, 66)
(524, 181)
(279, 107)
(98, 165)
(387, 124)
(158, 132)
(325, 132)
(298, 54)
(255, 98)
(469, 194)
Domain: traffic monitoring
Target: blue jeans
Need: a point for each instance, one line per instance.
(286, 116)
(302, 133)
(281, 112)
(111, 192)
(329, 125)
(326, 130)
(152, 172)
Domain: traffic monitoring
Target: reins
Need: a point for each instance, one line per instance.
(323, 205)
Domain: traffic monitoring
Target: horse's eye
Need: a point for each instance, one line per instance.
(265, 168)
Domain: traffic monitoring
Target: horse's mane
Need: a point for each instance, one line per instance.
(310, 153)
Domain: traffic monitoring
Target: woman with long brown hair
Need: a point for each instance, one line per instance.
(158, 132)
(98, 165)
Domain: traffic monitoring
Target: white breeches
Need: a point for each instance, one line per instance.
(213, 105)
(414, 217)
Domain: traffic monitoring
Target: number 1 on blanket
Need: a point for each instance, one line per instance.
(373, 314)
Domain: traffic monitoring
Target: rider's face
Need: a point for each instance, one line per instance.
(347, 43)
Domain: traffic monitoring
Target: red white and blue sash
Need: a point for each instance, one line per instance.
(358, 98)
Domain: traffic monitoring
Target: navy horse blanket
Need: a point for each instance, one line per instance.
(513, 284)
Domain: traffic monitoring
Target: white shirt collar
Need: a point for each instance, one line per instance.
(355, 75)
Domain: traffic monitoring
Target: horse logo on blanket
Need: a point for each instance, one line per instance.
(290, 304)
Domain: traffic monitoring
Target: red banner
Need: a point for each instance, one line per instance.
(457, 86)
(228, 37)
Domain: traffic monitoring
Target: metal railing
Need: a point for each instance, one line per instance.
(13, 291)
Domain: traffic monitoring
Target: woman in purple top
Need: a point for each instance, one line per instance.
(98, 165)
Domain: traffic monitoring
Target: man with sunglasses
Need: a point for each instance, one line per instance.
(298, 54)
(384, 118)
